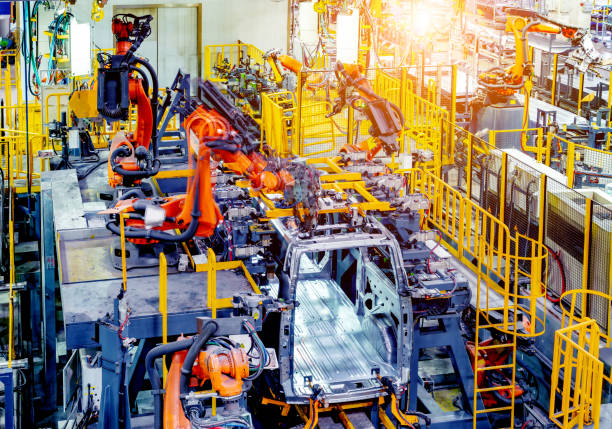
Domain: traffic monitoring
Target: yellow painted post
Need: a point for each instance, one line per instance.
(468, 167)
(122, 218)
(540, 145)
(453, 112)
(403, 105)
(569, 168)
(163, 305)
(549, 138)
(298, 115)
(212, 297)
(554, 80)
(11, 283)
(502, 187)
(580, 89)
(212, 282)
(609, 109)
(542, 208)
(350, 124)
(588, 217)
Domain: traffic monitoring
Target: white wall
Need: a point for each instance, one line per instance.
(262, 23)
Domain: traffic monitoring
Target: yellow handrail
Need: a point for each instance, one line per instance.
(576, 360)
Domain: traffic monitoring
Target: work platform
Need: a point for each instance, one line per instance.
(90, 285)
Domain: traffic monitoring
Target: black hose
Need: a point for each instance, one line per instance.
(136, 192)
(154, 101)
(123, 151)
(145, 79)
(156, 384)
(82, 174)
(153, 234)
(207, 331)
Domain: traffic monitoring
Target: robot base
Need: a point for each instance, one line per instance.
(143, 256)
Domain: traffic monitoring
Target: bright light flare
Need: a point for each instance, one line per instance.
(422, 22)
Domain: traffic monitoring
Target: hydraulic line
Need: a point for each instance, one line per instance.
(207, 331)
(156, 384)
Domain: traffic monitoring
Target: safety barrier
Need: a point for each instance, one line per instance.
(510, 257)
(277, 116)
(577, 376)
(587, 166)
(541, 149)
(216, 55)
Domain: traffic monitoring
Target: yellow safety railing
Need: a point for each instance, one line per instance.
(277, 112)
(577, 376)
(541, 150)
(211, 267)
(464, 225)
(317, 134)
(163, 305)
(427, 124)
(215, 55)
(601, 160)
(60, 105)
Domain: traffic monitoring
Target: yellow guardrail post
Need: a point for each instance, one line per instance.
(502, 187)
(212, 282)
(122, 218)
(588, 219)
(453, 106)
(540, 145)
(402, 106)
(468, 178)
(554, 80)
(350, 125)
(11, 283)
(163, 305)
(580, 90)
(298, 114)
(549, 139)
(569, 168)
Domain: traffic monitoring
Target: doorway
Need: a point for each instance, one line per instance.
(166, 48)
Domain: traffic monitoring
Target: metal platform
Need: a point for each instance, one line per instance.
(89, 284)
(85, 302)
(331, 345)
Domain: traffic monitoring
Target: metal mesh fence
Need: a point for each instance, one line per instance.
(565, 230)
(599, 264)
(592, 167)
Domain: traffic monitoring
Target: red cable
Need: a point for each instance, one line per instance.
(127, 316)
(557, 259)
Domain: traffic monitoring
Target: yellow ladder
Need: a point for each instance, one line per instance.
(504, 296)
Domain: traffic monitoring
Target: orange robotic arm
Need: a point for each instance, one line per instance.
(520, 22)
(386, 118)
(196, 213)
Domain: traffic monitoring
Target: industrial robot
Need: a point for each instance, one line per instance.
(495, 105)
(386, 118)
(151, 223)
(121, 82)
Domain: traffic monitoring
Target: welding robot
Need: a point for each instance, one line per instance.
(122, 82)
(386, 118)
(150, 223)
(495, 106)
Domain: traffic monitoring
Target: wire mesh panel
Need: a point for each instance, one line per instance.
(592, 167)
(599, 264)
(325, 131)
(565, 230)
(522, 197)
(219, 59)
